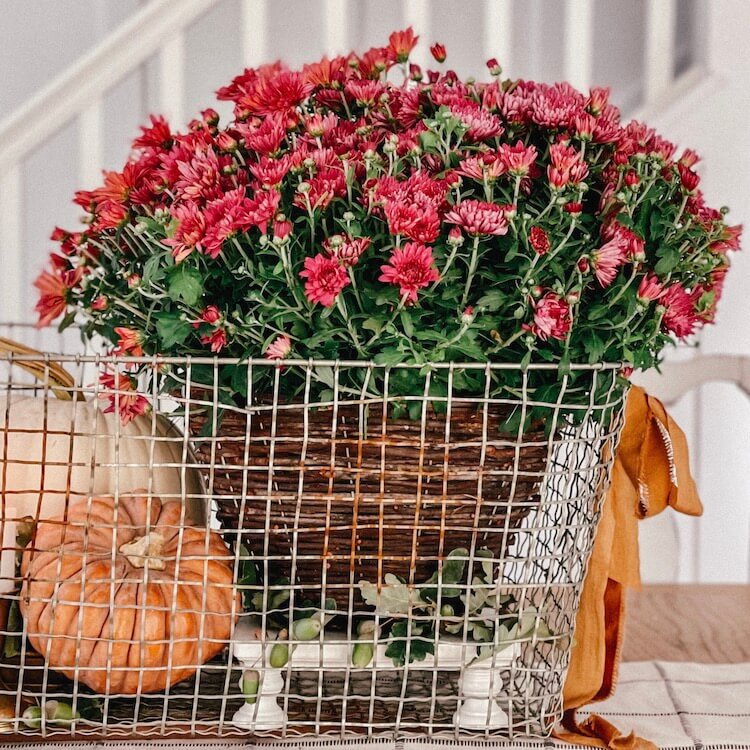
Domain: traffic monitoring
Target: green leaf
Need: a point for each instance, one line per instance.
(172, 329)
(493, 300)
(669, 257)
(153, 270)
(186, 284)
(407, 323)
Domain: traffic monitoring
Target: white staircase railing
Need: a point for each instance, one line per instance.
(160, 28)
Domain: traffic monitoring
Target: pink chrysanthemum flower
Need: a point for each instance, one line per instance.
(680, 316)
(517, 159)
(650, 289)
(410, 268)
(552, 317)
(608, 259)
(347, 250)
(279, 348)
(326, 277)
(119, 390)
(479, 218)
(216, 340)
(190, 232)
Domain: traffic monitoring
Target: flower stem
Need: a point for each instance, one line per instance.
(472, 270)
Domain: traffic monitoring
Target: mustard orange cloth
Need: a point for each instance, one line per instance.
(651, 471)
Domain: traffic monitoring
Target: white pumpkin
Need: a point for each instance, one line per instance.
(53, 452)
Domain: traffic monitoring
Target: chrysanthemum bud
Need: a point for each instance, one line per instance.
(455, 237)
(438, 52)
(494, 67)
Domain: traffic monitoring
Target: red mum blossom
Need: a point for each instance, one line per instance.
(483, 168)
(729, 240)
(129, 343)
(552, 317)
(400, 44)
(365, 93)
(689, 179)
(276, 94)
(200, 178)
(264, 138)
(418, 220)
(53, 291)
(347, 250)
(650, 289)
(517, 159)
(608, 259)
(410, 268)
(438, 52)
(326, 277)
(567, 167)
(217, 340)
(270, 172)
(120, 390)
(157, 137)
(230, 214)
(539, 240)
(479, 218)
(279, 348)
(680, 316)
(189, 232)
(261, 208)
(479, 123)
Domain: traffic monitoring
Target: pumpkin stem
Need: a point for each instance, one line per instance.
(145, 551)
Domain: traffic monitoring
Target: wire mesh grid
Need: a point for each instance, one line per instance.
(354, 562)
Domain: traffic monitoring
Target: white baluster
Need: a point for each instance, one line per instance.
(91, 144)
(579, 37)
(11, 237)
(335, 15)
(417, 15)
(255, 32)
(660, 48)
(498, 32)
(172, 79)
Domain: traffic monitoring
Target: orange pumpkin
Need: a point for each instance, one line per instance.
(124, 596)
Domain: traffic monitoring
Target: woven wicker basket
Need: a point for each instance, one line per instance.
(355, 502)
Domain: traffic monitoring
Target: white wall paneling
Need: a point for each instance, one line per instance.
(579, 40)
(91, 144)
(497, 33)
(660, 48)
(254, 24)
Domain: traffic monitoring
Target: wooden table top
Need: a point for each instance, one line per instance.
(687, 622)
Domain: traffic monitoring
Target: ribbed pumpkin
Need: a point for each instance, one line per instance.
(54, 452)
(104, 591)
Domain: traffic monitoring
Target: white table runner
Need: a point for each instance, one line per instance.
(676, 705)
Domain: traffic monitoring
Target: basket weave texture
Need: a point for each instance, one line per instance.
(359, 494)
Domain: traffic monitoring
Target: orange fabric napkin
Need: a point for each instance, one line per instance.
(651, 471)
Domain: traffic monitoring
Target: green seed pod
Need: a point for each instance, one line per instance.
(362, 654)
(249, 685)
(279, 655)
(447, 611)
(32, 717)
(307, 629)
(59, 712)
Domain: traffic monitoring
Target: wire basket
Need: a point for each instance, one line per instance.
(295, 567)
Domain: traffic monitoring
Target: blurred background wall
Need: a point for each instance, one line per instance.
(72, 95)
